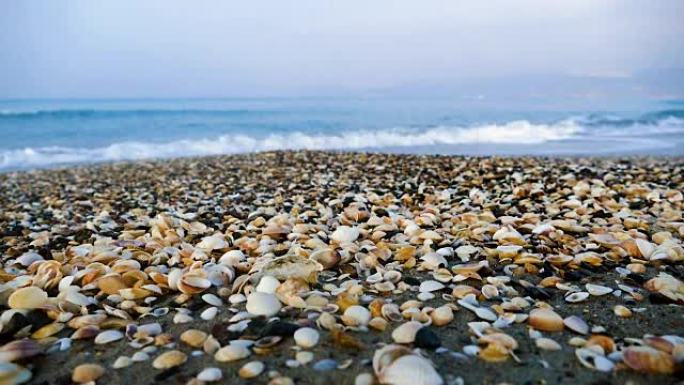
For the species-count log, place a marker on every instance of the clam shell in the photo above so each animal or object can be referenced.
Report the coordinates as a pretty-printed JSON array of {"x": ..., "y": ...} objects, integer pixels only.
[
  {"x": 122, "y": 362},
  {"x": 48, "y": 330},
  {"x": 546, "y": 320},
  {"x": 268, "y": 284},
  {"x": 263, "y": 304},
  {"x": 356, "y": 315},
  {"x": 194, "y": 337},
  {"x": 576, "y": 324},
  {"x": 578, "y": 296},
  {"x": 87, "y": 373},
  {"x": 442, "y": 315},
  {"x": 251, "y": 369},
  {"x": 231, "y": 352},
  {"x": 597, "y": 289},
  {"x": 169, "y": 359},
  {"x": 547, "y": 344},
  {"x": 410, "y": 370},
  {"x": 30, "y": 297},
  {"x": 345, "y": 234},
  {"x": 306, "y": 337},
  {"x": 648, "y": 360},
  {"x": 19, "y": 349},
  {"x": 212, "y": 299},
  {"x": 108, "y": 336},
  {"x": 210, "y": 375},
  {"x": 622, "y": 311},
  {"x": 406, "y": 333},
  {"x": 430, "y": 286}
]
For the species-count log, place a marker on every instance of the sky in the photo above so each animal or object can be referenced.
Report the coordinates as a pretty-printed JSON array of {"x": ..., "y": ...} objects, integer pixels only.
[{"x": 166, "y": 48}]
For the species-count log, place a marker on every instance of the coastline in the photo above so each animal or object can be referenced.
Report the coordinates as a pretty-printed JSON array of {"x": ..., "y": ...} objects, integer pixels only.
[{"x": 166, "y": 214}]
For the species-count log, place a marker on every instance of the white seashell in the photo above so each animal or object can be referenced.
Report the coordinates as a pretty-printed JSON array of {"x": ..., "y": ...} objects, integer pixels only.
[
  {"x": 645, "y": 247},
  {"x": 232, "y": 352},
  {"x": 209, "y": 313},
  {"x": 232, "y": 258},
  {"x": 485, "y": 314},
  {"x": 182, "y": 318},
  {"x": 345, "y": 234},
  {"x": 210, "y": 375},
  {"x": 578, "y": 296},
  {"x": 267, "y": 284},
  {"x": 364, "y": 379},
  {"x": 237, "y": 298},
  {"x": 490, "y": 291},
  {"x": 28, "y": 258},
  {"x": 306, "y": 337},
  {"x": 410, "y": 370},
  {"x": 357, "y": 315},
  {"x": 430, "y": 286},
  {"x": 140, "y": 357},
  {"x": 213, "y": 242},
  {"x": 122, "y": 362},
  {"x": 304, "y": 357},
  {"x": 576, "y": 324},
  {"x": 251, "y": 369},
  {"x": 263, "y": 304},
  {"x": 108, "y": 336},
  {"x": 593, "y": 360},
  {"x": 597, "y": 289},
  {"x": 471, "y": 350},
  {"x": 547, "y": 344},
  {"x": 151, "y": 329},
  {"x": 406, "y": 333},
  {"x": 425, "y": 296},
  {"x": 212, "y": 299}
]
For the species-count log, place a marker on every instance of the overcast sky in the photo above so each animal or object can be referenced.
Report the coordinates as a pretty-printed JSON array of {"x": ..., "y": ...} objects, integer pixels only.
[{"x": 218, "y": 48}]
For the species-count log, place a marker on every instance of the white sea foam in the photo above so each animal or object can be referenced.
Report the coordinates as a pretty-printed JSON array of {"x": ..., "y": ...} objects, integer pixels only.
[{"x": 509, "y": 133}]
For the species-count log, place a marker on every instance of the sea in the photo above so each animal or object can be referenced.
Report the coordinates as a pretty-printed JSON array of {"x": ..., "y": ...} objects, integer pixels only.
[{"x": 51, "y": 133}]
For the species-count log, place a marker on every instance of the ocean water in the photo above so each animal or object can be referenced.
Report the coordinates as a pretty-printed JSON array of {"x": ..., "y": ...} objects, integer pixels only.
[{"x": 38, "y": 134}]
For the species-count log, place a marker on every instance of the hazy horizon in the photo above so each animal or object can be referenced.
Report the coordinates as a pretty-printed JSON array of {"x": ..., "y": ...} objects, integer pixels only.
[{"x": 579, "y": 51}]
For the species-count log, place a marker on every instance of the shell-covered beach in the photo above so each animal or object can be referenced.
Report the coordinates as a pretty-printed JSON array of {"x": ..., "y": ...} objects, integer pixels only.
[{"x": 344, "y": 268}]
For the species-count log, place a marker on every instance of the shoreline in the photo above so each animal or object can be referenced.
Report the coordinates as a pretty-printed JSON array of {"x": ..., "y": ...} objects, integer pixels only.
[{"x": 180, "y": 244}]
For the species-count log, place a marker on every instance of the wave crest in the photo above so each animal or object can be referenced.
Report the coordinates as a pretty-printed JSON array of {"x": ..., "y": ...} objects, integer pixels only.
[{"x": 514, "y": 132}]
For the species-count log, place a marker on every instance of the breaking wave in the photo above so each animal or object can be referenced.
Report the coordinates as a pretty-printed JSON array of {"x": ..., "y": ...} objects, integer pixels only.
[{"x": 522, "y": 132}]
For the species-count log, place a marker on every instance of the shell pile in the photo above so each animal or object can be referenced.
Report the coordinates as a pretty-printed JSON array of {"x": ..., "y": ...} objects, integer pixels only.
[{"x": 313, "y": 267}]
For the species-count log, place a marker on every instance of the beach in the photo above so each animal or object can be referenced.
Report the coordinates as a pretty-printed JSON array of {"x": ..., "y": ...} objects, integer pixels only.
[{"x": 309, "y": 267}]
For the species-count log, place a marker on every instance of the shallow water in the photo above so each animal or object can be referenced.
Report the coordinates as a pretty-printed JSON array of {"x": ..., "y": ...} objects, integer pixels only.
[{"x": 47, "y": 133}]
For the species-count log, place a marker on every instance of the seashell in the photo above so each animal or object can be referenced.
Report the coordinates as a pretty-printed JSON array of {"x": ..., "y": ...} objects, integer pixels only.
[
  {"x": 345, "y": 234},
  {"x": 391, "y": 312},
  {"x": 211, "y": 345},
  {"x": 212, "y": 299},
  {"x": 267, "y": 284},
  {"x": 576, "y": 324},
  {"x": 622, "y": 311},
  {"x": 547, "y": 344},
  {"x": 194, "y": 337},
  {"x": 210, "y": 375},
  {"x": 378, "y": 323},
  {"x": 30, "y": 297},
  {"x": 191, "y": 284},
  {"x": 48, "y": 330},
  {"x": 87, "y": 373},
  {"x": 410, "y": 370},
  {"x": 231, "y": 352},
  {"x": 578, "y": 296},
  {"x": 364, "y": 379},
  {"x": 263, "y": 304},
  {"x": 597, "y": 289},
  {"x": 122, "y": 362},
  {"x": 406, "y": 333},
  {"x": 209, "y": 313},
  {"x": 111, "y": 284},
  {"x": 546, "y": 320},
  {"x": 593, "y": 360},
  {"x": 19, "y": 349},
  {"x": 648, "y": 360},
  {"x": 425, "y": 296},
  {"x": 304, "y": 357},
  {"x": 251, "y": 369},
  {"x": 140, "y": 357},
  {"x": 442, "y": 315},
  {"x": 430, "y": 286},
  {"x": 485, "y": 314},
  {"x": 606, "y": 343},
  {"x": 108, "y": 336},
  {"x": 327, "y": 257},
  {"x": 356, "y": 316},
  {"x": 169, "y": 359},
  {"x": 306, "y": 337},
  {"x": 237, "y": 298},
  {"x": 489, "y": 291}
]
